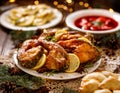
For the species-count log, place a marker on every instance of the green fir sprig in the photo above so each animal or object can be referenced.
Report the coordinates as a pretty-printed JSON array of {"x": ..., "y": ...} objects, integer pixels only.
[
  {"x": 24, "y": 80},
  {"x": 111, "y": 40},
  {"x": 19, "y": 36}
]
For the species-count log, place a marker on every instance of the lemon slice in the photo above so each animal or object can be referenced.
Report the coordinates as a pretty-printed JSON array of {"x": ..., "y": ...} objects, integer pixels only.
[
  {"x": 74, "y": 63},
  {"x": 85, "y": 39},
  {"x": 59, "y": 33},
  {"x": 40, "y": 63}
]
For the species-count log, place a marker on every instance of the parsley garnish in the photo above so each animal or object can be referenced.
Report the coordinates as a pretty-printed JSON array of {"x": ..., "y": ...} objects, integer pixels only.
[{"x": 97, "y": 23}]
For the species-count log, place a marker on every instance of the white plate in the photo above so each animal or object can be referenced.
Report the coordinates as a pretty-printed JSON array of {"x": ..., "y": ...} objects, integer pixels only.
[
  {"x": 70, "y": 19},
  {"x": 52, "y": 23},
  {"x": 57, "y": 76}
]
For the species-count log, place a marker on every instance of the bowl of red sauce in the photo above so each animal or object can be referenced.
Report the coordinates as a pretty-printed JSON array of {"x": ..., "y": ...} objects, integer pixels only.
[{"x": 96, "y": 21}]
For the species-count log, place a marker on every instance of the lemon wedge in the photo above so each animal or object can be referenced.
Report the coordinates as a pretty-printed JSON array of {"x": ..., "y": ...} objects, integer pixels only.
[
  {"x": 40, "y": 63},
  {"x": 59, "y": 33},
  {"x": 85, "y": 40},
  {"x": 74, "y": 63}
]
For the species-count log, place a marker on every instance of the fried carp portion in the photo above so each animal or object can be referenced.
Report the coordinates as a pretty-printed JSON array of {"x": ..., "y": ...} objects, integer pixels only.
[
  {"x": 70, "y": 35},
  {"x": 85, "y": 51},
  {"x": 31, "y": 51},
  {"x": 57, "y": 57},
  {"x": 61, "y": 35},
  {"x": 71, "y": 41}
]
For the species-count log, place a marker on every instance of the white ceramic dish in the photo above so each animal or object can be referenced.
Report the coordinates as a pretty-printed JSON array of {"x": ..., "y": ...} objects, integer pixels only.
[
  {"x": 57, "y": 76},
  {"x": 11, "y": 26},
  {"x": 70, "y": 19}
]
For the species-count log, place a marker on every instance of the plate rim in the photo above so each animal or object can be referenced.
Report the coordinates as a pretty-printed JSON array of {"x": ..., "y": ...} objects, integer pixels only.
[
  {"x": 43, "y": 75},
  {"x": 11, "y": 26},
  {"x": 75, "y": 15}
]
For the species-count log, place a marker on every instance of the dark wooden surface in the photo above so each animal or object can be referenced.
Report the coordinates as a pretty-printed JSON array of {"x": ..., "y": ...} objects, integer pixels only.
[{"x": 6, "y": 43}]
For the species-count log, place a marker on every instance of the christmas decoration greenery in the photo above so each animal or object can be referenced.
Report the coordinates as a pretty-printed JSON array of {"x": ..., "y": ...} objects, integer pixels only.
[
  {"x": 111, "y": 40},
  {"x": 23, "y": 80},
  {"x": 20, "y": 36}
]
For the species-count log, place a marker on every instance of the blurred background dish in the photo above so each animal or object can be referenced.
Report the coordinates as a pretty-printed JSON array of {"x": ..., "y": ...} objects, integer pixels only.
[
  {"x": 96, "y": 21},
  {"x": 11, "y": 24}
]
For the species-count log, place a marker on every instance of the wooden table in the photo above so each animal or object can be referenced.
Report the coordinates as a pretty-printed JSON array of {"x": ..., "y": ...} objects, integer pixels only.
[{"x": 6, "y": 43}]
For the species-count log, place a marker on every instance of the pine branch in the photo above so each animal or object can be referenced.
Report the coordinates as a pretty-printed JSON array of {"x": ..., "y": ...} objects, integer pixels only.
[
  {"x": 24, "y": 80},
  {"x": 111, "y": 40},
  {"x": 4, "y": 70},
  {"x": 20, "y": 36},
  {"x": 30, "y": 82},
  {"x": 118, "y": 34}
]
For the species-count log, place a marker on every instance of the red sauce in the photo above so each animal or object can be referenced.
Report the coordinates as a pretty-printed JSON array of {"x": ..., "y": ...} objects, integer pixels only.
[{"x": 95, "y": 23}]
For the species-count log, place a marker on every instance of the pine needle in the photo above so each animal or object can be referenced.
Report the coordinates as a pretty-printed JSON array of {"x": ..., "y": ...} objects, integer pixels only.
[{"x": 25, "y": 80}]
